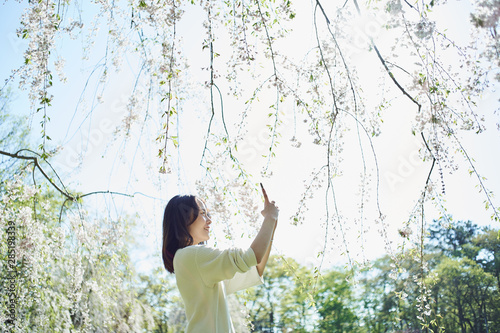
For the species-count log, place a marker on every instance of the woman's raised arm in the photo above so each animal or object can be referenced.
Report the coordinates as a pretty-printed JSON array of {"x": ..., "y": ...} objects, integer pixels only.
[{"x": 262, "y": 241}]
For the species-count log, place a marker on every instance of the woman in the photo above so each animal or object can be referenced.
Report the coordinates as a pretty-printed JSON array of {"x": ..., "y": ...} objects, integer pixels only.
[{"x": 204, "y": 274}]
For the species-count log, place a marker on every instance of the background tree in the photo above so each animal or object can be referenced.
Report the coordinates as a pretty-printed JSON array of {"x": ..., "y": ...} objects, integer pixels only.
[
  {"x": 454, "y": 239},
  {"x": 469, "y": 298},
  {"x": 63, "y": 267},
  {"x": 72, "y": 274},
  {"x": 158, "y": 290},
  {"x": 489, "y": 253},
  {"x": 335, "y": 304},
  {"x": 284, "y": 302},
  {"x": 467, "y": 293}
]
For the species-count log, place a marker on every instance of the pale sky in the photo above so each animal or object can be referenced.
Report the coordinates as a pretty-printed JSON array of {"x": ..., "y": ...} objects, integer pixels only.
[{"x": 402, "y": 173}]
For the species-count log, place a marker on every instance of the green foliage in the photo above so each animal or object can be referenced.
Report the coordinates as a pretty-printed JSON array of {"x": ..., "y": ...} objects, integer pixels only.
[
  {"x": 284, "y": 301},
  {"x": 467, "y": 296},
  {"x": 335, "y": 302},
  {"x": 461, "y": 261},
  {"x": 461, "y": 291},
  {"x": 455, "y": 239},
  {"x": 158, "y": 290}
]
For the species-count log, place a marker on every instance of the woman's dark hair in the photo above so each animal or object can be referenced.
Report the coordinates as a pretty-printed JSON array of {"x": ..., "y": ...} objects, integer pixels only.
[{"x": 180, "y": 212}]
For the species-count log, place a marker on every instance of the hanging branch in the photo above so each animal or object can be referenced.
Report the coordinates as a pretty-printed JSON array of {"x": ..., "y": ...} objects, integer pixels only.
[
  {"x": 384, "y": 63},
  {"x": 335, "y": 108},
  {"x": 36, "y": 163},
  {"x": 231, "y": 156},
  {"x": 441, "y": 71},
  {"x": 275, "y": 74},
  {"x": 61, "y": 189},
  {"x": 474, "y": 170},
  {"x": 452, "y": 133},
  {"x": 210, "y": 37},
  {"x": 433, "y": 159},
  {"x": 351, "y": 84},
  {"x": 212, "y": 103},
  {"x": 328, "y": 153},
  {"x": 169, "y": 93},
  {"x": 358, "y": 123},
  {"x": 422, "y": 226}
]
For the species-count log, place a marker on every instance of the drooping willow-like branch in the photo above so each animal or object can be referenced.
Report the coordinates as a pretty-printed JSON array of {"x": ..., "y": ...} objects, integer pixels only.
[
  {"x": 474, "y": 170},
  {"x": 213, "y": 86},
  {"x": 358, "y": 123},
  {"x": 422, "y": 225},
  {"x": 210, "y": 37},
  {"x": 275, "y": 74},
  {"x": 334, "y": 98},
  {"x": 170, "y": 78},
  {"x": 328, "y": 153},
  {"x": 384, "y": 63}
]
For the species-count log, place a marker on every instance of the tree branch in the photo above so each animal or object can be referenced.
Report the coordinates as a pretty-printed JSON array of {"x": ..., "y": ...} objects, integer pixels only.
[
  {"x": 37, "y": 165},
  {"x": 68, "y": 196},
  {"x": 275, "y": 74},
  {"x": 384, "y": 63}
]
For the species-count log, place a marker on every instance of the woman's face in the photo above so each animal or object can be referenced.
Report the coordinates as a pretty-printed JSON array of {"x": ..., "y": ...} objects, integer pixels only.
[{"x": 200, "y": 228}]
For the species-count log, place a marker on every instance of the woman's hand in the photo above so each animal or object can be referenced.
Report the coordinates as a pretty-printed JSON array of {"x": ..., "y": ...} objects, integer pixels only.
[
  {"x": 270, "y": 209},
  {"x": 262, "y": 243}
]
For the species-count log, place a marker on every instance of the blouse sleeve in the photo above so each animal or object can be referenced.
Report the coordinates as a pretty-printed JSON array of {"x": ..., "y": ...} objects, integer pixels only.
[
  {"x": 242, "y": 281},
  {"x": 215, "y": 265}
]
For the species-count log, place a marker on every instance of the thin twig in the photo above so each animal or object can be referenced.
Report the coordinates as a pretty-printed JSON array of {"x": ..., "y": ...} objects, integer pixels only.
[
  {"x": 170, "y": 78},
  {"x": 422, "y": 226},
  {"x": 210, "y": 37}
]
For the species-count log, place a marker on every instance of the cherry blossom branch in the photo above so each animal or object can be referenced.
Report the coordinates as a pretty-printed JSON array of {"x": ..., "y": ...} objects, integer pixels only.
[
  {"x": 474, "y": 170},
  {"x": 358, "y": 123},
  {"x": 328, "y": 153},
  {"x": 275, "y": 74},
  {"x": 318, "y": 4},
  {"x": 210, "y": 37},
  {"x": 422, "y": 224},
  {"x": 384, "y": 63},
  {"x": 169, "y": 93}
]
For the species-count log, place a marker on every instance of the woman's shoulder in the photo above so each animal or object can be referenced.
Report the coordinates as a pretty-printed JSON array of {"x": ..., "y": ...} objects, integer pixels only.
[
  {"x": 194, "y": 250},
  {"x": 204, "y": 251},
  {"x": 196, "y": 254},
  {"x": 185, "y": 256}
]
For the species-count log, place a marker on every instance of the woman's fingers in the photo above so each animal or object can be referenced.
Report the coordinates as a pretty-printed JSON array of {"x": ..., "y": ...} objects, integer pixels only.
[
  {"x": 264, "y": 193},
  {"x": 270, "y": 207}
]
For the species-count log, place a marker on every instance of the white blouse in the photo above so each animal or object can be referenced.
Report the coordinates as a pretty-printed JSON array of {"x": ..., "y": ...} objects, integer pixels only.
[{"x": 205, "y": 276}]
